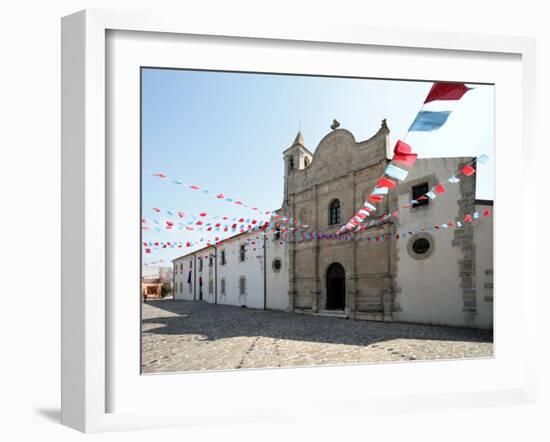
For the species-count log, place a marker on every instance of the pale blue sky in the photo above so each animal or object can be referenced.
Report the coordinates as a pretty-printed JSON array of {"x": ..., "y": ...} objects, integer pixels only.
[{"x": 227, "y": 132}]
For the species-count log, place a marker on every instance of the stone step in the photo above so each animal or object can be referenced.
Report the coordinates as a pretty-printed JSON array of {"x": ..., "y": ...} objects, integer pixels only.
[{"x": 333, "y": 313}]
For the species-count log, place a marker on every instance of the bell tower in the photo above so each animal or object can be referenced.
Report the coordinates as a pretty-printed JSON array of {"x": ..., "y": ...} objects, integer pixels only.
[{"x": 296, "y": 157}]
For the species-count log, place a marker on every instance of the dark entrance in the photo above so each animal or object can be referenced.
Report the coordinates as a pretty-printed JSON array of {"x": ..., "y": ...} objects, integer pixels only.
[{"x": 336, "y": 287}]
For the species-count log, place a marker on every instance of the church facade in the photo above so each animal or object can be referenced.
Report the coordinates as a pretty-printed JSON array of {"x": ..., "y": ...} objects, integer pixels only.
[{"x": 431, "y": 276}]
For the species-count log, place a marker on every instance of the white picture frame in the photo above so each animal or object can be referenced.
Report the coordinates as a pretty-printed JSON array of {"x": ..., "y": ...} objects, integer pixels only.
[{"x": 86, "y": 315}]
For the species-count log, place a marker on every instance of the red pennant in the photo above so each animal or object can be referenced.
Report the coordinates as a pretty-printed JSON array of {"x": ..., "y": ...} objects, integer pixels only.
[
  {"x": 468, "y": 218},
  {"x": 194, "y": 187},
  {"x": 446, "y": 91},
  {"x": 408, "y": 159},
  {"x": 147, "y": 250},
  {"x": 486, "y": 213},
  {"x": 386, "y": 182},
  {"x": 220, "y": 196},
  {"x": 374, "y": 198},
  {"x": 202, "y": 214},
  {"x": 160, "y": 175},
  {"x": 402, "y": 148},
  {"x": 199, "y": 223},
  {"x": 468, "y": 170},
  {"x": 439, "y": 188},
  {"x": 156, "y": 209},
  {"x": 187, "y": 244},
  {"x": 181, "y": 214}
]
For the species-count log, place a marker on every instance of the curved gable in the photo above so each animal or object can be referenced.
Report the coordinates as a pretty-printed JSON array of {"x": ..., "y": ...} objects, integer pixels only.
[{"x": 337, "y": 154}]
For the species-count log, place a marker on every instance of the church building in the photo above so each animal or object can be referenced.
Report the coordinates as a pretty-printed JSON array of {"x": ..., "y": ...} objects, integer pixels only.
[{"x": 404, "y": 269}]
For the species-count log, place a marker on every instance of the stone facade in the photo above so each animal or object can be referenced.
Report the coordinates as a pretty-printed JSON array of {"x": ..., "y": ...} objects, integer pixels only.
[{"x": 344, "y": 170}]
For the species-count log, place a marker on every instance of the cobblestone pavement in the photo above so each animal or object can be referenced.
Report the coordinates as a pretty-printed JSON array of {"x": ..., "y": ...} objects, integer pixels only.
[{"x": 194, "y": 335}]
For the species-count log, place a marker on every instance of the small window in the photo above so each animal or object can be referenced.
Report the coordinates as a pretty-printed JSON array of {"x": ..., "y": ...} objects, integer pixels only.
[
  {"x": 191, "y": 263},
  {"x": 277, "y": 234},
  {"x": 420, "y": 191},
  {"x": 181, "y": 267},
  {"x": 334, "y": 212},
  {"x": 421, "y": 246},
  {"x": 210, "y": 261},
  {"x": 181, "y": 287},
  {"x": 306, "y": 162},
  {"x": 200, "y": 264},
  {"x": 277, "y": 265},
  {"x": 210, "y": 286},
  {"x": 222, "y": 286},
  {"x": 242, "y": 285},
  {"x": 222, "y": 258},
  {"x": 242, "y": 253},
  {"x": 291, "y": 163}
]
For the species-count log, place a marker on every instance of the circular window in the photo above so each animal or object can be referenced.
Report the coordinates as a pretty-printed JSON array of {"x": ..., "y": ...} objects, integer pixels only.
[
  {"x": 277, "y": 265},
  {"x": 421, "y": 246}
]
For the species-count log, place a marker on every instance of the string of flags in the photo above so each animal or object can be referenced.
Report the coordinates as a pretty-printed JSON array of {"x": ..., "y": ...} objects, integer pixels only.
[
  {"x": 217, "y": 195},
  {"x": 206, "y": 222},
  {"x": 431, "y": 117},
  {"x": 436, "y": 190},
  {"x": 403, "y": 157},
  {"x": 241, "y": 225},
  {"x": 258, "y": 243}
]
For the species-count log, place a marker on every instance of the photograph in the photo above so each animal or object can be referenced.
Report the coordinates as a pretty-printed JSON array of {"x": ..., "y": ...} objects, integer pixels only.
[{"x": 306, "y": 220}]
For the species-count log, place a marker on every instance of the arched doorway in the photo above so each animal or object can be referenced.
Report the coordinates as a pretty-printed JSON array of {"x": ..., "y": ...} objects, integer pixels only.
[{"x": 336, "y": 287}]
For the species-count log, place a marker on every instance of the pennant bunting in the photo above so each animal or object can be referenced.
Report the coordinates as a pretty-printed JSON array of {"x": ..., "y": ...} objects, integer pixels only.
[
  {"x": 427, "y": 121},
  {"x": 446, "y": 91}
]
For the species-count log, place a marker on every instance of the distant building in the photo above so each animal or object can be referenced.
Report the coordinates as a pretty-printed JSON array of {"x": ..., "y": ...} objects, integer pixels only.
[
  {"x": 433, "y": 276},
  {"x": 156, "y": 282}
]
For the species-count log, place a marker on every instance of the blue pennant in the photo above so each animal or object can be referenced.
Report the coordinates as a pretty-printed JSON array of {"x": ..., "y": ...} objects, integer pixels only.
[{"x": 427, "y": 121}]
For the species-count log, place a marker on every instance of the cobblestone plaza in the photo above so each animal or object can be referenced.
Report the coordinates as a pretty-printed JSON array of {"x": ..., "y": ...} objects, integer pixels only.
[{"x": 192, "y": 336}]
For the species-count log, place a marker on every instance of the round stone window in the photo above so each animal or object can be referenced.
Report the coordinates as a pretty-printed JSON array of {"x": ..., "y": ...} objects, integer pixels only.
[
  {"x": 421, "y": 246},
  {"x": 277, "y": 265}
]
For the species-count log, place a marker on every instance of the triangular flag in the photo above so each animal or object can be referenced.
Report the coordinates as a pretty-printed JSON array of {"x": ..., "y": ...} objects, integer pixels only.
[
  {"x": 446, "y": 91},
  {"x": 468, "y": 170}
]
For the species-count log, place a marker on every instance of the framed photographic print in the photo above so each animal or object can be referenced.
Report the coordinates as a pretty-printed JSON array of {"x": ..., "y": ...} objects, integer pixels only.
[{"x": 264, "y": 222}]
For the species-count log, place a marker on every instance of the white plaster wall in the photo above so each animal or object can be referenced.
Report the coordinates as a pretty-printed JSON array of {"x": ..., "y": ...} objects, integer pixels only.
[
  {"x": 483, "y": 237},
  {"x": 182, "y": 266},
  {"x": 277, "y": 282},
  {"x": 251, "y": 268},
  {"x": 207, "y": 273},
  {"x": 430, "y": 288}
]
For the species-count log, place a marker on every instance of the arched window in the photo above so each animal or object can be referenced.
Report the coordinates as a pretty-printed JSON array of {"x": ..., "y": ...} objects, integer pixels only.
[
  {"x": 291, "y": 163},
  {"x": 306, "y": 162},
  {"x": 334, "y": 212}
]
